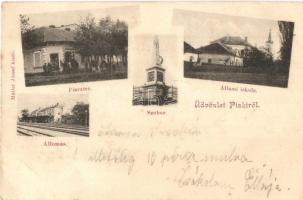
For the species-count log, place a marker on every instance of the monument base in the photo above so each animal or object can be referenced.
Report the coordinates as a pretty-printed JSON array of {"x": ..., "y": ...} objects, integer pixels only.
[{"x": 155, "y": 94}]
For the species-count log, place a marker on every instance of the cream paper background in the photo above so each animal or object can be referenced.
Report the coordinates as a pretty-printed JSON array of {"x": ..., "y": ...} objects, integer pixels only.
[{"x": 271, "y": 135}]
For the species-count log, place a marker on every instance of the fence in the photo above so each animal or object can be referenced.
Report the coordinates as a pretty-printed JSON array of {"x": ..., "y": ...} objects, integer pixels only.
[
  {"x": 206, "y": 67},
  {"x": 159, "y": 96}
]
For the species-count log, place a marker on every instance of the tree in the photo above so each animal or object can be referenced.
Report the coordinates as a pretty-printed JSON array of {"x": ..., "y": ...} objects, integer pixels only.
[
  {"x": 85, "y": 36},
  {"x": 29, "y": 35},
  {"x": 286, "y": 37},
  {"x": 25, "y": 25},
  {"x": 120, "y": 39},
  {"x": 81, "y": 113},
  {"x": 256, "y": 58},
  {"x": 24, "y": 114},
  {"x": 100, "y": 42}
]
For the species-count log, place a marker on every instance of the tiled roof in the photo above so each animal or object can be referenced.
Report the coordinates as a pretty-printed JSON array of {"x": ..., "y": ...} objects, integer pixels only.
[
  {"x": 54, "y": 106},
  {"x": 232, "y": 40},
  {"x": 188, "y": 48},
  {"x": 46, "y": 34},
  {"x": 219, "y": 46},
  {"x": 39, "y": 110},
  {"x": 216, "y": 48},
  {"x": 35, "y": 112}
]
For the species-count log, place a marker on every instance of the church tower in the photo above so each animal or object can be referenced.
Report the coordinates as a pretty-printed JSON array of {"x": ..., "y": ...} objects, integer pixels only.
[
  {"x": 155, "y": 74},
  {"x": 269, "y": 43}
]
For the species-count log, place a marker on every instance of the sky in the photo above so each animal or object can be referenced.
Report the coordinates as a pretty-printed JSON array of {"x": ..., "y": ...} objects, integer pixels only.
[
  {"x": 201, "y": 28},
  {"x": 141, "y": 57},
  {"x": 128, "y": 14},
  {"x": 32, "y": 102}
]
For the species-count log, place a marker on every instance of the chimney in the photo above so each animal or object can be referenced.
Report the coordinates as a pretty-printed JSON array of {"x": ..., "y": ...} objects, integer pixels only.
[{"x": 246, "y": 39}]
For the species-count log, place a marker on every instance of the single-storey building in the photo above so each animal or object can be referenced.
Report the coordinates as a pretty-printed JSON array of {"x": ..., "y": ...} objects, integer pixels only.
[
  {"x": 228, "y": 50},
  {"x": 218, "y": 53},
  {"x": 236, "y": 43},
  {"x": 53, "y": 45},
  {"x": 190, "y": 53}
]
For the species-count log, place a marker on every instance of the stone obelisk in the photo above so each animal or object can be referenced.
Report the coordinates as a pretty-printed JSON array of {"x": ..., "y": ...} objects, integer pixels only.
[{"x": 157, "y": 59}]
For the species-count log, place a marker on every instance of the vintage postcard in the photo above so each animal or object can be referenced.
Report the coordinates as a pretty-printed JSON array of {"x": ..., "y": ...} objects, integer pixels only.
[{"x": 151, "y": 101}]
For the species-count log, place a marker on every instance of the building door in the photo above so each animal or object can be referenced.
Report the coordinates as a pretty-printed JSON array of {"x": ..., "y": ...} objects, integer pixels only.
[
  {"x": 67, "y": 56},
  {"x": 54, "y": 61}
]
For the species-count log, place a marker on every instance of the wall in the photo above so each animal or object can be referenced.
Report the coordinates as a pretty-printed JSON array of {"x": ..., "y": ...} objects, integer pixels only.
[
  {"x": 28, "y": 59},
  {"x": 188, "y": 55},
  {"x": 45, "y": 57},
  {"x": 238, "y": 61},
  {"x": 238, "y": 47},
  {"x": 221, "y": 59},
  {"x": 61, "y": 49},
  {"x": 215, "y": 58},
  {"x": 58, "y": 114}
]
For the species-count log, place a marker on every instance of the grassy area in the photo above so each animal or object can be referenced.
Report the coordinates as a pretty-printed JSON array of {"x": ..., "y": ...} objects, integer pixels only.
[
  {"x": 62, "y": 125},
  {"x": 277, "y": 80},
  {"x": 249, "y": 75},
  {"x": 40, "y": 79}
]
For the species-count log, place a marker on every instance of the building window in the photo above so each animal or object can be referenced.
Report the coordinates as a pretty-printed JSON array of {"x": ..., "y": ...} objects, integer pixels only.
[
  {"x": 69, "y": 54},
  {"x": 209, "y": 60},
  {"x": 150, "y": 76},
  {"x": 37, "y": 59},
  {"x": 191, "y": 58},
  {"x": 160, "y": 76}
]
